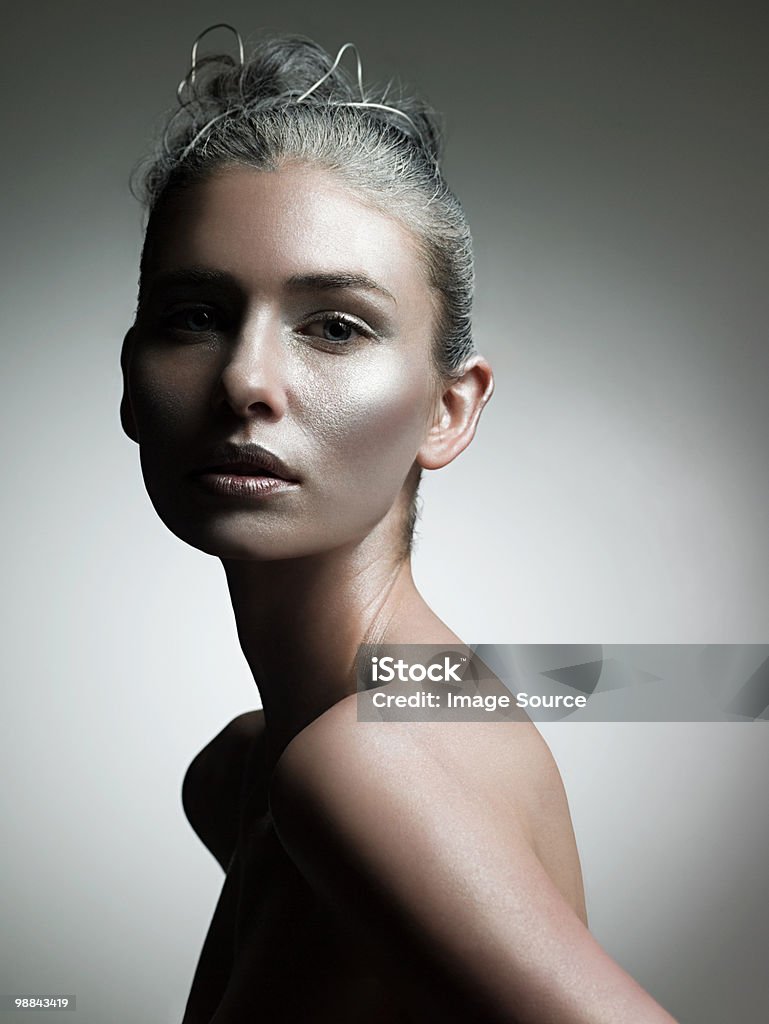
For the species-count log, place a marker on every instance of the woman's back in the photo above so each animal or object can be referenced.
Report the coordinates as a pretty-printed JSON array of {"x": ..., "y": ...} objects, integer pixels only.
[{"x": 286, "y": 949}]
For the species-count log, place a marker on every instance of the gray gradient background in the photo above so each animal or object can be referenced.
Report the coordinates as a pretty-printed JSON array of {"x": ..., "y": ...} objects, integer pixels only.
[{"x": 612, "y": 158}]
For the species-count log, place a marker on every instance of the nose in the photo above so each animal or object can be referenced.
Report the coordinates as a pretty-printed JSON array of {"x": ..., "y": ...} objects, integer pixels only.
[{"x": 252, "y": 381}]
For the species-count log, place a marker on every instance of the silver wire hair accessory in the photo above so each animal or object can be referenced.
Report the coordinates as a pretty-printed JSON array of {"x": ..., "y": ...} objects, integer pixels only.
[
  {"x": 363, "y": 101},
  {"x": 194, "y": 55},
  {"x": 189, "y": 81}
]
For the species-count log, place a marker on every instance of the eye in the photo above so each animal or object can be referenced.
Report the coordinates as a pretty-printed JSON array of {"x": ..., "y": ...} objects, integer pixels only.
[
  {"x": 338, "y": 329},
  {"x": 193, "y": 320}
]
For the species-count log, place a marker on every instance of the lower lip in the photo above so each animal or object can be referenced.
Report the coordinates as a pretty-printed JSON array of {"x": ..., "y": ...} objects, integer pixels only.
[{"x": 234, "y": 486}]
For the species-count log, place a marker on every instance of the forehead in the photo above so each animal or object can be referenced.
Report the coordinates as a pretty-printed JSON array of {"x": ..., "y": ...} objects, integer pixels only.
[{"x": 264, "y": 227}]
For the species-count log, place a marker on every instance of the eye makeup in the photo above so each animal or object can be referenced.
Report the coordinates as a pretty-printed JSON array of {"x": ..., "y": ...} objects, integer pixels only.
[{"x": 350, "y": 289}]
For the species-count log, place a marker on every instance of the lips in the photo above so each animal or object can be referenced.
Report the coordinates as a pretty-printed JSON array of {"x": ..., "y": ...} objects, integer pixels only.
[
  {"x": 242, "y": 469},
  {"x": 248, "y": 459}
]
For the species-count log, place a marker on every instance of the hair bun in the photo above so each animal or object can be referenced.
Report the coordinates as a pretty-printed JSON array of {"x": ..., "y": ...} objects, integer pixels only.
[{"x": 294, "y": 68}]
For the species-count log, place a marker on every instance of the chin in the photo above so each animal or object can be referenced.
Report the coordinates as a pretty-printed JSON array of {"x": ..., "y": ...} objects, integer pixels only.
[
  {"x": 245, "y": 536},
  {"x": 249, "y": 541}
]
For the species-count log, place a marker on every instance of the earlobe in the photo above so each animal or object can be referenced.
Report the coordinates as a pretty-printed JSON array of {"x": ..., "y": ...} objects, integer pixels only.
[
  {"x": 457, "y": 415},
  {"x": 127, "y": 420}
]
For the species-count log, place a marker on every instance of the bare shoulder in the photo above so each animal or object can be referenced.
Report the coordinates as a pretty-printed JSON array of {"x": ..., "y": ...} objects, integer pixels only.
[
  {"x": 214, "y": 782},
  {"x": 504, "y": 767},
  {"x": 448, "y": 847}
]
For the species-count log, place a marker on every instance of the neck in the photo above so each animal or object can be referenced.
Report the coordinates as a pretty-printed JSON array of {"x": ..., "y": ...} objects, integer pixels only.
[{"x": 300, "y": 622}]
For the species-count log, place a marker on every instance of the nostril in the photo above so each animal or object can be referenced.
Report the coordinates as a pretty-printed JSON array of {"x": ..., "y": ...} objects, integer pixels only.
[{"x": 247, "y": 396}]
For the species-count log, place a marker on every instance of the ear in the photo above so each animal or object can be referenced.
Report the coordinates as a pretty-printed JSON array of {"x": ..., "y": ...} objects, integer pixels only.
[
  {"x": 126, "y": 411},
  {"x": 457, "y": 414}
]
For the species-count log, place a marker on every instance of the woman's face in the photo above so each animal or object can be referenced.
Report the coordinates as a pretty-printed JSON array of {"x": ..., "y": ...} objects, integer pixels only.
[{"x": 278, "y": 310}]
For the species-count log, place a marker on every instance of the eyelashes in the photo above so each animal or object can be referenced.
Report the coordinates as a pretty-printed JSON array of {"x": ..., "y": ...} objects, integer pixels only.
[
  {"x": 183, "y": 320},
  {"x": 336, "y": 322},
  {"x": 336, "y": 330}
]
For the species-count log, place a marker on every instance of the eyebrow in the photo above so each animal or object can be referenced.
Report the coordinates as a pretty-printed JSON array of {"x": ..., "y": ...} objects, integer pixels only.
[
  {"x": 337, "y": 280},
  {"x": 168, "y": 279},
  {"x": 331, "y": 281}
]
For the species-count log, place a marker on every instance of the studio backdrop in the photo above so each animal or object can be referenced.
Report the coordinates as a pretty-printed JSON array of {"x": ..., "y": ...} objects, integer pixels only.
[{"x": 612, "y": 160}]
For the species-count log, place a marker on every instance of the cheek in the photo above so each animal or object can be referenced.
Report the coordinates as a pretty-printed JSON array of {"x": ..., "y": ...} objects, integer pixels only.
[
  {"x": 165, "y": 395},
  {"x": 369, "y": 424}
]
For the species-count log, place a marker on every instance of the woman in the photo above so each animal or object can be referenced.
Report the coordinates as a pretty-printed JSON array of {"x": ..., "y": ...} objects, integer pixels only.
[{"x": 302, "y": 350}]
